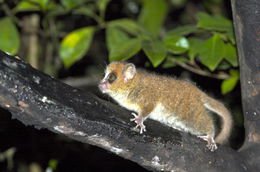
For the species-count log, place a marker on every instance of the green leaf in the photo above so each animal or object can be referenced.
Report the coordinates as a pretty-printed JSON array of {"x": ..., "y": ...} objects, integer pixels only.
[
  {"x": 176, "y": 44},
  {"x": 75, "y": 45},
  {"x": 230, "y": 83},
  {"x": 53, "y": 163},
  {"x": 102, "y": 4},
  {"x": 58, "y": 11},
  {"x": 217, "y": 23},
  {"x": 168, "y": 64},
  {"x": 196, "y": 46},
  {"x": 155, "y": 51},
  {"x": 182, "y": 30},
  {"x": 26, "y": 6},
  {"x": 211, "y": 53},
  {"x": 230, "y": 54},
  {"x": 9, "y": 36},
  {"x": 152, "y": 15},
  {"x": 35, "y": 5},
  {"x": 86, "y": 10},
  {"x": 128, "y": 25},
  {"x": 43, "y": 3},
  {"x": 120, "y": 46},
  {"x": 125, "y": 50},
  {"x": 70, "y": 4},
  {"x": 231, "y": 36},
  {"x": 228, "y": 36},
  {"x": 115, "y": 36}
]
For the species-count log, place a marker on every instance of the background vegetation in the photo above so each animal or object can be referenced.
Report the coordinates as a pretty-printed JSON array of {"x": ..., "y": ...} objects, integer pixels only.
[{"x": 73, "y": 37}]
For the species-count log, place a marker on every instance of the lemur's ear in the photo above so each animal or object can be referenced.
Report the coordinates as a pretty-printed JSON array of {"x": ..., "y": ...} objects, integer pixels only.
[{"x": 129, "y": 71}]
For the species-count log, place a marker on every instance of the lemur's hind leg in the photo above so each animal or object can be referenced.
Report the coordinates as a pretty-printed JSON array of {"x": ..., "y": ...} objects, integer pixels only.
[{"x": 211, "y": 142}]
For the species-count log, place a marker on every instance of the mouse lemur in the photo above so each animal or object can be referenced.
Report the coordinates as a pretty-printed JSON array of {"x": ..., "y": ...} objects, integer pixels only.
[{"x": 178, "y": 104}]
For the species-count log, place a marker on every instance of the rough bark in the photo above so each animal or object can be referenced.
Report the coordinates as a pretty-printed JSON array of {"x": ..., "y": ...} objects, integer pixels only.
[
  {"x": 44, "y": 102},
  {"x": 246, "y": 16}
]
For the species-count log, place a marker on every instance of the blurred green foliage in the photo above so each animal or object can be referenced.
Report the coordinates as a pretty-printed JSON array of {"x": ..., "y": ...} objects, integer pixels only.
[
  {"x": 52, "y": 165},
  {"x": 75, "y": 45},
  {"x": 9, "y": 35},
  {"x": 207, "y": 47}
]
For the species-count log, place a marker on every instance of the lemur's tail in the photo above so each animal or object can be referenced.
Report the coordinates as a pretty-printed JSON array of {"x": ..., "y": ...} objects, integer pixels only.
[{"x": 221, "y": 110}]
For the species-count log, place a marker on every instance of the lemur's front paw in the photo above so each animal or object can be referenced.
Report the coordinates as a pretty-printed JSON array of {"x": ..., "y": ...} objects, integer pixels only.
[{"x": 139, "y": 120}]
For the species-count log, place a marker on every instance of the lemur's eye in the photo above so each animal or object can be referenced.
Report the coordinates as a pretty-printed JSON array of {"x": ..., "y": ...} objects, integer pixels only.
[{"x": 111, "y": 78}]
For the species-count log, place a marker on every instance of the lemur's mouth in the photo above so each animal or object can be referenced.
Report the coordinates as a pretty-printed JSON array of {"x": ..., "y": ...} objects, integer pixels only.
[{"x": 103, "y": 86}]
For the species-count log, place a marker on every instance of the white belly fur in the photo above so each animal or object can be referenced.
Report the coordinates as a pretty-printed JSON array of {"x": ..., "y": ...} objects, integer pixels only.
[
  {"x": 122, "y": 100},
  {"x": 160, "y": 114}
]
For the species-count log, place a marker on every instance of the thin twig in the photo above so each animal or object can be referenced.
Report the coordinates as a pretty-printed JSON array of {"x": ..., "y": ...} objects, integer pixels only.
[{"x": 200, "y": 71}]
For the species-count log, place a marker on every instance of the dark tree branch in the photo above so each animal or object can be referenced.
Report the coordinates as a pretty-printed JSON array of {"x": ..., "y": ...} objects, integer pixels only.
[
  {"x": 44, "y": 102},
  {"x": 246, "y": 16}
]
